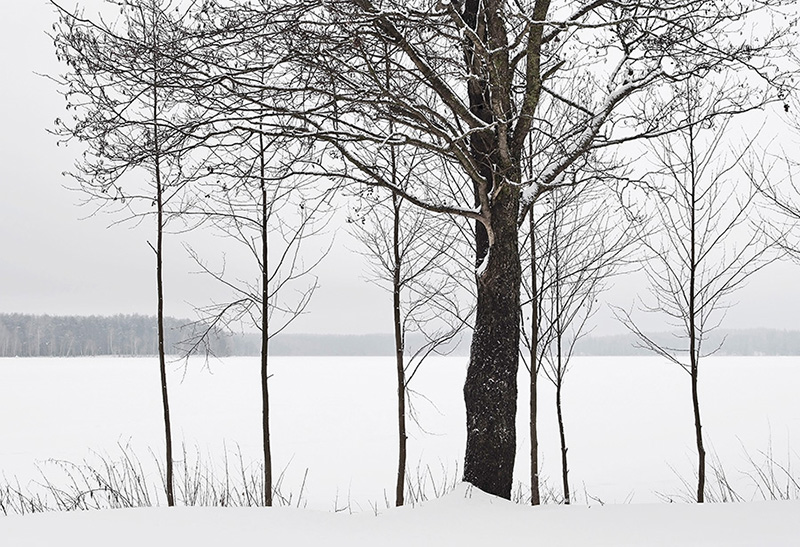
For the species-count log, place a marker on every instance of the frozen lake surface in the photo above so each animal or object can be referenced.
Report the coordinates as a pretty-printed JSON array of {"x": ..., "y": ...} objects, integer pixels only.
[{"x": 628, "y": 419}]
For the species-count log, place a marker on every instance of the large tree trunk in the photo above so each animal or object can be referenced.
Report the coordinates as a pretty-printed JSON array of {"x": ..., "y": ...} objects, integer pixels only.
[{"x": 490, "y": 390}]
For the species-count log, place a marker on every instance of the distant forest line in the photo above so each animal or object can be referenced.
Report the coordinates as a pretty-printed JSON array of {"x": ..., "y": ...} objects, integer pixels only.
[{"x": 23, "y": 335}]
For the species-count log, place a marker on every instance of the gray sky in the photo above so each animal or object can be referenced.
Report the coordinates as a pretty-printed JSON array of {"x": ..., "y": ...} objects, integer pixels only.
[{"x": 55, "y": 260}]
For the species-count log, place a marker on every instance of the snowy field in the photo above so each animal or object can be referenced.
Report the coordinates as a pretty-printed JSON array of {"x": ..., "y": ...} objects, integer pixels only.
[
  {"x": 628, "y": 421},
  {"x": 628, "y": 425}
]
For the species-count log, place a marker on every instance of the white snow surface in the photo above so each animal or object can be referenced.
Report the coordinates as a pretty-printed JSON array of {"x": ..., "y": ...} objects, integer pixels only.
[
  {"x": 465, "y": 517},
  {"x": 629, "y": 423},
  {"x": 629, "y": 432}
]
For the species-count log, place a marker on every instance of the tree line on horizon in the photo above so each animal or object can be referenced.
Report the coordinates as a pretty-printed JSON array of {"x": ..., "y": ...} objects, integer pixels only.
[
  {"x": 30, "y": 335},
  {"x": 25, "y": 335}
]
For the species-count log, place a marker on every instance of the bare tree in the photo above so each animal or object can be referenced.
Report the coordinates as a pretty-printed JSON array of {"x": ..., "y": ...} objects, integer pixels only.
[
  {"x": 407, "y": 249},
  {"x": 255, "y": 202},
  {"x": 533, "y": 346},
  {"x": 124, "y": 85},
  {"x": 470, "y": 83},
  {"x": 582, "y": 238},
  {"x": 704, "y": 249},
  {"x": 250, "y": 190}
]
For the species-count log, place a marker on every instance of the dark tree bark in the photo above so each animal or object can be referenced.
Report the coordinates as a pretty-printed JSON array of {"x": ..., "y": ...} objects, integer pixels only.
[
  {"x": 265, "y": 273},
  {"x": 694, "y": 357},
  {"x": 159, "y": 187},
  {"x": 698, "y": 432},
  {"x": 563, "y": 441},
  {"x": 534, "y": 367},
  {"x": 399, "y": 344},
  {"x": 162, "y": 364},
  {"x": 490, "y": 390},
  {"x": 560, "y": 368}
]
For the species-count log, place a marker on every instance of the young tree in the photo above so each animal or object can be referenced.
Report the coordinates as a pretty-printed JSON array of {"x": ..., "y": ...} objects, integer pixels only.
[
  {"x": 704, "y": 249},
  {"x": 124, "y": 82},
  {"x": 407, "y": 250},
  {"x": 532, "y": 345},
  {"x": 580, "y": 240},
  {"x": 255, "y": 201}
]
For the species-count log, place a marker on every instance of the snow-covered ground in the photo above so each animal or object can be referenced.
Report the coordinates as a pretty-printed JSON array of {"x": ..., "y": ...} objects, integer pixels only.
[
  {"x": 628, "y": 425},
  {"x": 628, "y": 422},
  {"x": 463, "y": 518}
]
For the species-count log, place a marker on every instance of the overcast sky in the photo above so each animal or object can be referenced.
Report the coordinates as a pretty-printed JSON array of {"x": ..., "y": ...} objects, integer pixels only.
[{"x": 57, "y": 259}]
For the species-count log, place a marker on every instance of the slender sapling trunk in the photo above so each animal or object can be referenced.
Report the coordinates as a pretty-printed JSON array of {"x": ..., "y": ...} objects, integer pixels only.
[
  {"x": 534, "y": 364},
  {"x": 399, "y": 356},
  {"x": 265, "y": 331}
]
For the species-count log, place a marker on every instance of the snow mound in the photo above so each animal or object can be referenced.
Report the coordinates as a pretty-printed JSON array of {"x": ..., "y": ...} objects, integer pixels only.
[{"x": 465, "y": 517}]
